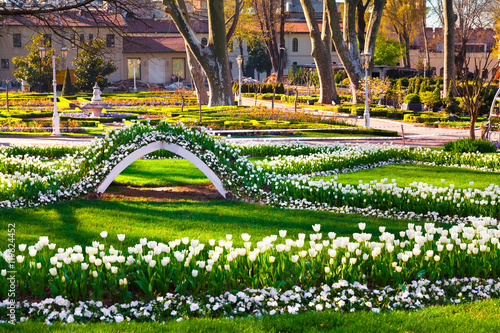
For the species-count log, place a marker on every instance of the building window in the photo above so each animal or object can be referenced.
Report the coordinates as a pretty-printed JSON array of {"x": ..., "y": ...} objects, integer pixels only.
[
  {"x": 204, "y": 41},
  {"x": 5, "y": 63},
  {"x": 131, "y": 62},
  {"x": 16, "y": 40},
  {"x": 73, "y": 40},
  {"x": 110, "y": 40},
  {"x": 91, "y": 37},
  {"x": 47, "y": 39},
  {"x": 295, "y": 45},
  {"x": 82, "y": 39},
  {"x": 179, "y": 69}
]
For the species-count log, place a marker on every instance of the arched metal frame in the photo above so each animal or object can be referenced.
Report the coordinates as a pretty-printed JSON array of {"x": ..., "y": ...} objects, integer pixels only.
[{"x": 176, "y": 149}]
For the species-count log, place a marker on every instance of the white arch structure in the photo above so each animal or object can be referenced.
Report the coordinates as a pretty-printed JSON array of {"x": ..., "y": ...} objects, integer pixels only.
[{"x": 176, "y": 149}]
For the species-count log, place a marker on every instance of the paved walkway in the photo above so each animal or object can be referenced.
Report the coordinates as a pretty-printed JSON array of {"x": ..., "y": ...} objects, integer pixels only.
[{"x": 415, "y": 134}]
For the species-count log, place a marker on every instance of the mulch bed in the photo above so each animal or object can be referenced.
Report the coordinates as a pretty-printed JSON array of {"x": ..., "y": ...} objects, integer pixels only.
[{"x": 174, "y": 193}]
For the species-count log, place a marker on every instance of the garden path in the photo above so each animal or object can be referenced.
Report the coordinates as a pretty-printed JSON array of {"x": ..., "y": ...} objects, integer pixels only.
[{"x": 416, "y": 135}]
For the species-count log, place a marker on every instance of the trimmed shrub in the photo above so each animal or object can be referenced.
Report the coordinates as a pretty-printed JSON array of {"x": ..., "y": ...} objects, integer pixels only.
[
  {"x": 412, "y": 99},
  {"x": 467, "y": 145}
]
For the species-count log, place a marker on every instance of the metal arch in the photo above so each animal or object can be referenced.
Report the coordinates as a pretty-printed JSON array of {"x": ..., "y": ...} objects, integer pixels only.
[{"x": 176, "y": 149}]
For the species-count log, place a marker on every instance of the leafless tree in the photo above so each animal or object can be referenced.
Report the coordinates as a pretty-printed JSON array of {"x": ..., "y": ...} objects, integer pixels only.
[
  {"x": 271, "y": 19},
  {"x": 346, "y": 39},
  {"x": 474, "y": 88}
]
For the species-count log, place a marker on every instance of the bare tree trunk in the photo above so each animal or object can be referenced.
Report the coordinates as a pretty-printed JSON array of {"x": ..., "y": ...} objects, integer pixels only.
[
  {"x": 194, "y": 68},
  {"x": 321, "y": 45},
  {"x": 449, "y": 45},
  {"x": 213, "y": 58},
  {"x": 282, "y": 42},
  {"x": 346, "y": 42},
  {"x": 426, "y": 41},
  {"x": 198, "y": 78}
]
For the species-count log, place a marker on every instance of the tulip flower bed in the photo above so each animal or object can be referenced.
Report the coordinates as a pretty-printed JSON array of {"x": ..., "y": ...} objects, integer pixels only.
[
  {"x": 277, "y": 274},
  {"x": 29, "y": 182}
]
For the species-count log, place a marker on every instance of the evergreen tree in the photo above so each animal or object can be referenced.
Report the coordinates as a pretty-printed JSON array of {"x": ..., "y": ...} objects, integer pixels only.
[
  {"x": 35, "y": 71},
  {"x": 67, "y": 88},
  {"x": 91, "y": 66}
]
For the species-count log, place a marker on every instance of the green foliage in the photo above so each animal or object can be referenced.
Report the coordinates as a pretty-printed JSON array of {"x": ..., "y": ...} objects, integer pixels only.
[
  {"x": 387, "y": 51},
  {"x": 470, "y": 146},
  {"x": 339, "y": 76},
  {"x": 91, "y": 66},
  {"x": 67, "y": 88},
  {"x": 430, "y": 99},
  {"x": 412, "y": 98},
  {"x": 35, "y": 71},
  {"x": 303, "y": 75},
  {"x": 258, "y": 58}
]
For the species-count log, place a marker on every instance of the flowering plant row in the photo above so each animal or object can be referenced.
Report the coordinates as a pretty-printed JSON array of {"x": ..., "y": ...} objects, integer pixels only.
[
  {"x": 339, "y": 296},
  {"x": 189, "y": 266},
  {"x": 27, "y": 181}
]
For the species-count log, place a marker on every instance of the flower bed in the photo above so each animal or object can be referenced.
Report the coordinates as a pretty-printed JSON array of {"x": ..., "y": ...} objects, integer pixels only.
[
  {"x": 340, "y": 296},
  {"x": 283, "y": 185},
  {"x": 278, "y": 273}
]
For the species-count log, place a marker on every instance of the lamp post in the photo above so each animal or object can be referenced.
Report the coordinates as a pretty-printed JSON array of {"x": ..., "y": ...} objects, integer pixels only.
[
  {"x": 56, "y": 131},
  {"x": 425, "y": 65},
  {"x": 365, "y": 60},
  {"x": 279, "y": 60},
  {"x": 239, "y": 60},
  {"x": 136, "y": 64}
]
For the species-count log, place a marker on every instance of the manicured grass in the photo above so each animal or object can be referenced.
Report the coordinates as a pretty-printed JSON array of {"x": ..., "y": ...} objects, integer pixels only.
[
  {"x": 161, "y": 173},
  {"x": 473, "y": 317},
  {"x": 170, "y": 172},
  {"x": 408, "y": 173},
  {"x": 81, "y": 221}
]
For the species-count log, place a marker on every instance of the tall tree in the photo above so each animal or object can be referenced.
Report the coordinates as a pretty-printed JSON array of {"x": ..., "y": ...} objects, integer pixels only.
[
  {"x": 271, "y": 18},
  {"x": 321, "y": 45},
  {"x": 471, "y": 17},
  {"x": 404, "y": 18},
  {"x": 449, "y": 19},
  {"x": 346, "y": 39},
  {"x": 213, "y": 57},
  {"x": 35, "y": 71},
  {"x": 194, "y": 68},
  {"x": 91, "y": 66}
]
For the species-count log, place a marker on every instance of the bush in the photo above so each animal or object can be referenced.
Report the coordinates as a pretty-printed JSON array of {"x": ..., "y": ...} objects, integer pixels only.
[
  {"x": 412, "y": 99},
  {"x": 470, "y": 146},
  {"x": 430, "y": 99}
]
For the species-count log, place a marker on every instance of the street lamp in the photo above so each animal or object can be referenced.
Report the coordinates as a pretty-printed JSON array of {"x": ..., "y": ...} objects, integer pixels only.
[
  {"x": 425, "y": 65},
  {"x": 365, "y": 60},
  {"x": 55, "y": 117},
  {"x": 279, "y": 59},
  {"x": 136, "y": 64},
  {"x": 239, "y": 60}
]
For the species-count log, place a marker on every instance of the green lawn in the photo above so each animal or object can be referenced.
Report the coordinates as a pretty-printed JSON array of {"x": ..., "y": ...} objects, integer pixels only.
[
  {"x": 81, "y": 221},
  {"x": 407, "y": 173},
  {"x": 165, "y": 172},
  {"x": 473, "y": 317},
  {"x": 170, "y": 172}
]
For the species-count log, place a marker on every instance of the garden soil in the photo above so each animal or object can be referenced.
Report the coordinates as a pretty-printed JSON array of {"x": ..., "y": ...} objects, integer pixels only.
[{"x": 174, "y": 193}]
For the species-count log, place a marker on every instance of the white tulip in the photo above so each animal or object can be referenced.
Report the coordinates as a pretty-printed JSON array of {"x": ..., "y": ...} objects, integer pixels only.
[{"x": 104, "y": 234}]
